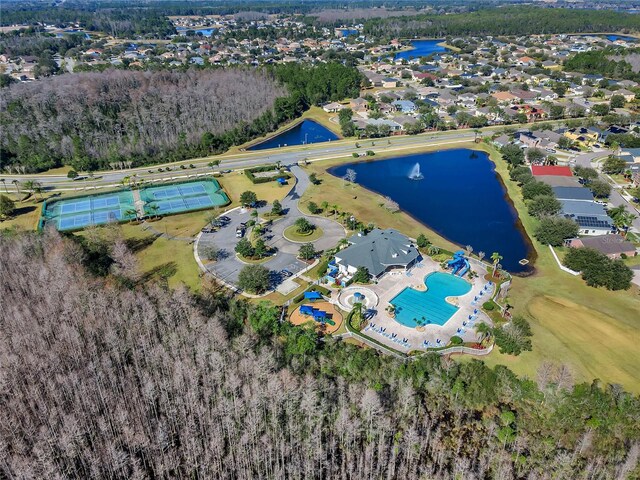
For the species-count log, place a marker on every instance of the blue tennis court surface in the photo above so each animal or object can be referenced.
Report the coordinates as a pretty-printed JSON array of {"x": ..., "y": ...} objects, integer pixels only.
[
  {"x": 76, "y": 213},
  {"x": 183, "y": 197},
  {"x": 81, "y": 212}
]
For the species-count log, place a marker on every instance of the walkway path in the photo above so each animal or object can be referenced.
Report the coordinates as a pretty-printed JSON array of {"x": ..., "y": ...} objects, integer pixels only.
[{"x": 228, "y": 267}]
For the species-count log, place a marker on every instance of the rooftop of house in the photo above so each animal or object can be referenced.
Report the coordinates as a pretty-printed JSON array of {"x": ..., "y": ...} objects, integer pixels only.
[
  {"x": 378, "y": 250},
  {"x": 607, "y": 244},
  {"x": 551, "y": 170},
  {"x": 573, "y": 193}
]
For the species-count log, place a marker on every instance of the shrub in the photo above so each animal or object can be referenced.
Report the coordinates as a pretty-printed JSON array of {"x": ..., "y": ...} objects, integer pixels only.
[
  {"x": 361, "y": 276},
  {"x": 455, "y": 340},
  {"x": 254, "y": 279},
  {"x": 422, "y": 241},
  {"x": 370, "y": 153},
  {"x": 554, "y": 230},
  {"x": 313, "y": 207},
  {"x": 514, "y": 337},
  {"x": 248, "y": 198},
  {"x": 355, "y": 155},
  {"x": 307, "y": 251},
  {"x": 304, "y": 226},
  {"x": 489, "y": 306},
  {"x": 534, "y": 188},
  {"x": 276, "y": 208},
  {"x": 598, "y": 270},
  {"x": 543, "y": 205}
]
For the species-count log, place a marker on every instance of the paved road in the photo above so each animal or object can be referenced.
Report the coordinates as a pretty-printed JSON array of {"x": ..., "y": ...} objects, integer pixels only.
[
  {"x": 228, "y": 268},
  {"x": 286, "y": 156}
]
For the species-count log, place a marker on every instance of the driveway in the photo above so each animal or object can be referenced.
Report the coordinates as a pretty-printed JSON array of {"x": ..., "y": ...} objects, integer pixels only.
[{"x": 228, "y": 267}]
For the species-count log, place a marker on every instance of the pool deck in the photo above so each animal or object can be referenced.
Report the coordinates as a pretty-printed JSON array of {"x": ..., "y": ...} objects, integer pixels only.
[{"x": 393, "y": 282}]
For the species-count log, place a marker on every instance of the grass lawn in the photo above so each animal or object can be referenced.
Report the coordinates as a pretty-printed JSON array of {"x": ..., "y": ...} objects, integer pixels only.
[
  {"x": 364, "y": 204},
  {"x": 237, "y": 182},
  {"x": 280, "y": 299},
  {"x": 591, "y": 330},
  {"x": 291, "y": 233},
  {"x": 25, "y": 215}
]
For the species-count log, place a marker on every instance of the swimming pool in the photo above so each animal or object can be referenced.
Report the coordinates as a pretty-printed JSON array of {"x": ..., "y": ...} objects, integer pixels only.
[
  {"x": 183, "y": 197},
  {"x": 415, "y": 308}
]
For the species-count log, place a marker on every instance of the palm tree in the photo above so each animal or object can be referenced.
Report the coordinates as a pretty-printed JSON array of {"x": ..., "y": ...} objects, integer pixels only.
[
  {"x": 334, "y": 207},
  {"x": 4, "y": 182},
  {"x": 481, "y": 255},
  {"x": 469, "y": 249},
  {"x": 154, "y": 208},
  {"x": 38, "y": 189},
  {"x": 483, "y": 330},
  {"x": 16, "y": 183},
  {"x": 324, "y": 205},
  {"x": 28, "y": 185},
  {"x": 623, "y": 221},
  {"x": 477, "y": 132},
  {"x": 495, "y": 258},
  {"x": 131, "y": 212}
]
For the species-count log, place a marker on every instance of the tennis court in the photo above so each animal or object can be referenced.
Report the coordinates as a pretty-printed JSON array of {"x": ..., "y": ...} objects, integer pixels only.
[
  {"x": 80, "y": 212},
  {"x": 183, "y": 197}
]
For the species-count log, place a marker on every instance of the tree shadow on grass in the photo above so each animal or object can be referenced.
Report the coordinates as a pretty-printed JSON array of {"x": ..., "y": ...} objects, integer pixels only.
[
  {"x": 23, "y": 210},
  {"x": 161, "y": 272},
  {"x": 138, "y": 244}
]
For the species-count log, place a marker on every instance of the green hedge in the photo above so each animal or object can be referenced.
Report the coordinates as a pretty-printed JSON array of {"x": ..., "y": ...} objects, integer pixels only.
[{"x": 249, "y": 172}]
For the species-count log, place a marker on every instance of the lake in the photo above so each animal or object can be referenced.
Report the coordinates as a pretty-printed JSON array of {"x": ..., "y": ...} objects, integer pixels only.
[
  {"x": 460, "y": 198},
  {"x": 421, "y": 48},
  {"x": 205, "y": 32},
  {"x": 305, "y": 132}
]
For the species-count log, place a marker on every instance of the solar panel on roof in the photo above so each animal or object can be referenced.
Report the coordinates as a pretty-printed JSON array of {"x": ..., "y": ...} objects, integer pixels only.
[{"x": 592, "y": 222}]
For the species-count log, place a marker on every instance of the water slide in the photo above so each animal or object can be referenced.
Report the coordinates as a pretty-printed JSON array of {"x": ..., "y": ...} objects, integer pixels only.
[{"x": 459, "y": 264}]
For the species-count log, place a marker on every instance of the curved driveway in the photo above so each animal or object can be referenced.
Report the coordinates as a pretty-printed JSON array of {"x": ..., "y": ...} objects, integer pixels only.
[{"x": 228, "y": 267}]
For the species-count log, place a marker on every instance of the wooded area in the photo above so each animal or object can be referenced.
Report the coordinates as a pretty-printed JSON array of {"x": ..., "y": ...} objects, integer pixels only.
[
  {"x": 609, "y": 62},
  {"x": 92, "y": 120},
  {"x": 89, "y": 120},
  {"x": 515, "y": 20},
  {"x": 103, "y": 381}
]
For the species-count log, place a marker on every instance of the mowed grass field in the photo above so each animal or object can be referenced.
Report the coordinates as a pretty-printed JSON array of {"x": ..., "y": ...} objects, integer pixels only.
[
  {"x": 594, "y": 332},
  {"x": 166, "y": 259}
]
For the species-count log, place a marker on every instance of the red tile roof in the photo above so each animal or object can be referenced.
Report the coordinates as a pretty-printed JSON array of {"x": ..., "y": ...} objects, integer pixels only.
[{"x": 551, "y": 170}]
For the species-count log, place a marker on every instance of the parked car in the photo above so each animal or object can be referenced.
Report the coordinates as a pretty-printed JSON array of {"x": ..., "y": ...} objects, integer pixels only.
[
  {"x": 239, "y": 232},
  {"x": 286, "y": 273}
]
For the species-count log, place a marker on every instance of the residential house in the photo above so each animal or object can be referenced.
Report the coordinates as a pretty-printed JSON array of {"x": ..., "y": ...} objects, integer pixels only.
[
  {"x": 578, "y": 194},
  {"x": 591, "y": 217},
  {"x": 333, "y": 107},
  {"x": 613, "y": 246}
]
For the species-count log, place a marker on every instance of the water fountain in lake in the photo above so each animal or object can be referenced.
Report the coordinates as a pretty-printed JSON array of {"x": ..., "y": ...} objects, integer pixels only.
[{"x": 415, "y": 173}]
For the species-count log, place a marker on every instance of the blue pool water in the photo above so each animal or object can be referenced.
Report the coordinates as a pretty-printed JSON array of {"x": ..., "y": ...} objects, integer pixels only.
[
  {"x": 305, "y": 132},
  {"x": 460, "y": 197},
  {"x": 429, "y": 307},
  {"x": 421, "y": 48}
]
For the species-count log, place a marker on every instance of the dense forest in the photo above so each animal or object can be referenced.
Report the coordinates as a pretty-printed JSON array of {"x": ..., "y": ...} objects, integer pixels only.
[
  {"x": 619, "y": 64},
  {"x": 520, "y": 20},
  {"x": 88, "y": 119},
  {"x": 108, "y": 377},
  {"x": 91, "y": 120}
]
